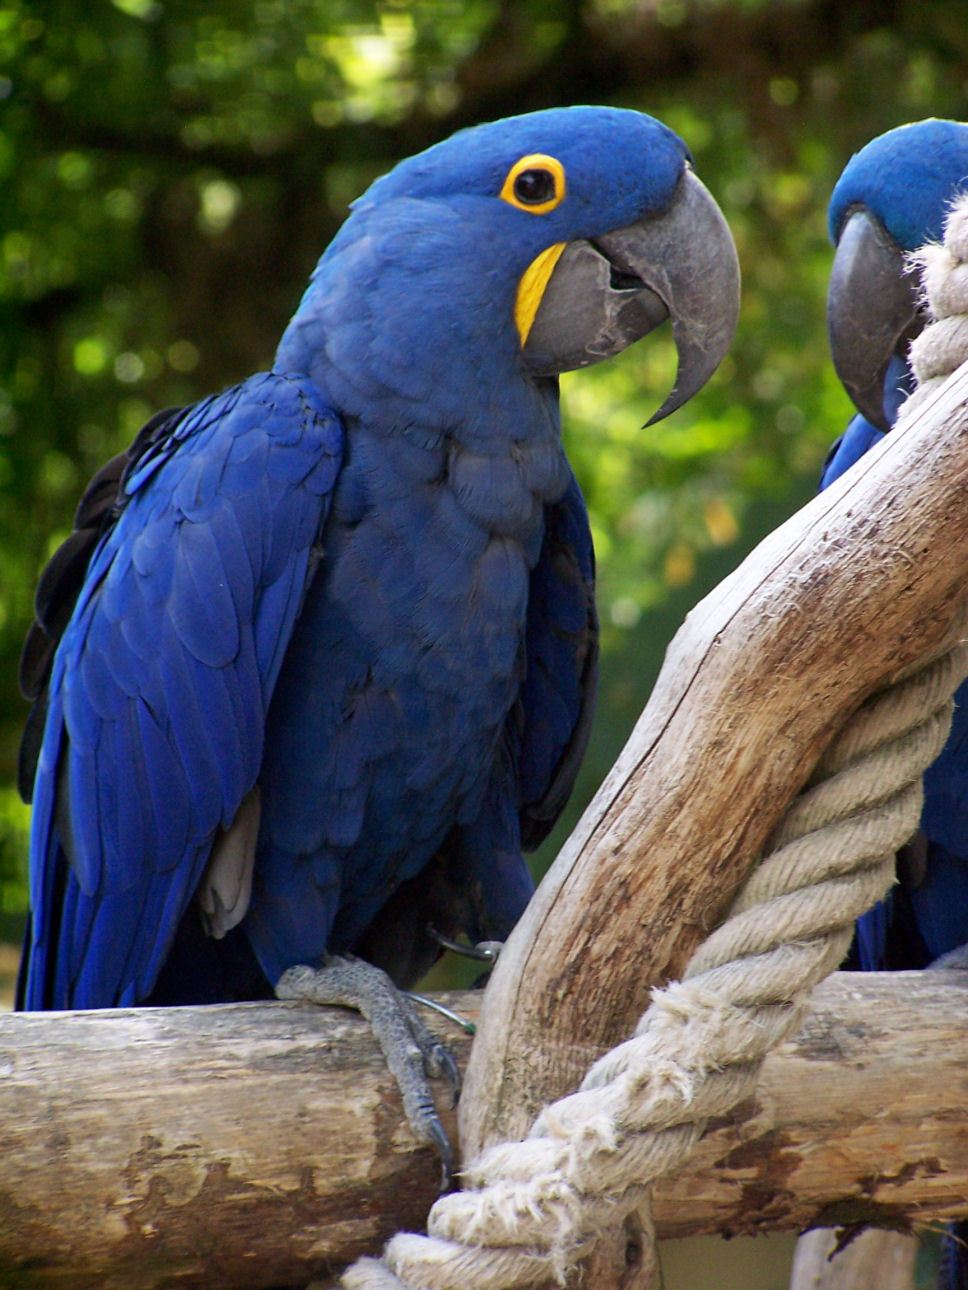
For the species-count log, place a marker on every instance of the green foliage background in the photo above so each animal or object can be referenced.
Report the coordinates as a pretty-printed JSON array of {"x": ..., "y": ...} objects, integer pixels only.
[{"x": 171, "y": 171}]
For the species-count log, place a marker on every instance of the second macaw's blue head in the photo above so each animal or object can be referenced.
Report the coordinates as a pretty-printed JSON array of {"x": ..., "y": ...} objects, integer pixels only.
[
  {"x": 512, "y": 252},
  {"x": 892, "y": 197}
]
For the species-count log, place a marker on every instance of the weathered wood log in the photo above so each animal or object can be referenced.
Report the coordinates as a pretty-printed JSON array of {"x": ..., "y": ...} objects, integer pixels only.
[
  {"x": 264, "y": 1144},
  {"x": 847, "y": 1124},
  {"x": 864, "y": 581},
  {"x": 230, "y": 1146}
]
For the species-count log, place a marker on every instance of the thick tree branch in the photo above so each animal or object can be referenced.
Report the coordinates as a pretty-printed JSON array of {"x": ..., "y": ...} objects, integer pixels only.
[
  {"x": 258, "y": 1144},
  {"x": 864, "y": 581}
]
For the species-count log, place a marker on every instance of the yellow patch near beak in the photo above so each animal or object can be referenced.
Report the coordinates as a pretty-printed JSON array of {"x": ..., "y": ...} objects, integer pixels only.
[{"x": 532, "y": 287}]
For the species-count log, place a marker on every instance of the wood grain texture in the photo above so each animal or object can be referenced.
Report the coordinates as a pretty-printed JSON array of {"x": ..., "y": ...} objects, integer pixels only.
[
  {"x": 830, "y": 607},
  {"x": 229, "y": 1146},
  {"x": 863, "y": 1118},
  {"x": 260, "y": 1145}
]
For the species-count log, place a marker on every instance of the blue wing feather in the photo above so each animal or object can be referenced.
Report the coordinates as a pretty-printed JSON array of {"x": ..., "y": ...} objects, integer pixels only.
[
  {"x": 559, "y": 689},
  {"x": 945, "y": 815},
  {"x": 178, "y": 633},
  {"x": 859, "y": 436}
]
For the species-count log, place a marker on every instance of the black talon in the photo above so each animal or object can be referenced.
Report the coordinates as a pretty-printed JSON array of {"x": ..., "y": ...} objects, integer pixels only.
[
  {"x": 448, "y": 1162},
  {"x": 468, "y": 1027},
  {"x": 448, "y": 1068},
  {"x": 412, "y": 1053},
  {"x": 439, "y": 1061},
  {"x": 482, "y": 952}
]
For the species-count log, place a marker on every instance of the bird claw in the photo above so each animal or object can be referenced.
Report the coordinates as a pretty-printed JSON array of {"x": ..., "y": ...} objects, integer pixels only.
[
  {"x": 448, "y": 1163},
  {"x": 412, "y": 1053},
  {"x": 482, "y": 952},
  {"x": 440, "y": 1064}
]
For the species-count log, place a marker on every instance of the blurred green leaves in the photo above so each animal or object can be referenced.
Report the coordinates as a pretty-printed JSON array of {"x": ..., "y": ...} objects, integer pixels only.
[{"x": 171, "y": 171}]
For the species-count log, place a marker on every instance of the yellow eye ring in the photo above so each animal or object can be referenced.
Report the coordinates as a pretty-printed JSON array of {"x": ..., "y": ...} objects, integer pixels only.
[{"x": 535, "y": 183}]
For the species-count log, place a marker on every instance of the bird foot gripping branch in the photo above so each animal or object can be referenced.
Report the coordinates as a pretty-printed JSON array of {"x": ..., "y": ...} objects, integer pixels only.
[{"x": 411, "y": 1051}]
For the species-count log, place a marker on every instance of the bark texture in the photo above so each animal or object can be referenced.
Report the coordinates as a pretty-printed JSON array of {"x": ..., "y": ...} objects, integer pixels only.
[{"x": 262, "y": 1145}]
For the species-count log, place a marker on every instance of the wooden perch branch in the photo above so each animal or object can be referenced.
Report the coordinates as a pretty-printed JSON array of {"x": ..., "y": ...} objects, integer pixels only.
[
  {"x": 229, "y": 1146},
  {"x": 258, "y": 1144},
  {"x": 864, "y": 581}
]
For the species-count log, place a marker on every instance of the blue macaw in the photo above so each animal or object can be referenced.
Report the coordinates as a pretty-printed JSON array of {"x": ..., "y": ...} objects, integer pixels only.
[
  {"x": 892, "y": 198},
  {"x": 318, "y": 661}
]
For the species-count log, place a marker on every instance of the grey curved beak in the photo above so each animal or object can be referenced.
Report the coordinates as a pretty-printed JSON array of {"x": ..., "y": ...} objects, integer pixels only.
[
  {"x": 607, "y": 293},
  {"x": 872, "y": 311}
]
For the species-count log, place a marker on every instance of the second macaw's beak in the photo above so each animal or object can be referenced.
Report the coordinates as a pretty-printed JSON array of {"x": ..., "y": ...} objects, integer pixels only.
[
  {"x": 872, "y": 312},
  {"x": 606, "y": 293}
]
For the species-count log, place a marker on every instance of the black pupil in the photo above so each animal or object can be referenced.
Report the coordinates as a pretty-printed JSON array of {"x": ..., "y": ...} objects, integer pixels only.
[{"x": 532, "y": 187}]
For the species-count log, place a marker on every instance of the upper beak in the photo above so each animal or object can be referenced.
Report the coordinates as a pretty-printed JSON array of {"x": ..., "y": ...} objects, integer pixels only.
[
  {"x": 605, "y": 294},
  {"x": 872, "y": 312}
]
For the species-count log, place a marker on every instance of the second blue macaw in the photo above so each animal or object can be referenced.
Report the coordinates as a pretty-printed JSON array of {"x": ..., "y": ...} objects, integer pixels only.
[
  {"x": 318, "y": 662},
  {"x": 892, "y": 198}
]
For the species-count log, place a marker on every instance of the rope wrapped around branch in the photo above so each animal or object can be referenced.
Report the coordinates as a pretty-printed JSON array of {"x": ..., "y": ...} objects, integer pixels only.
[{"x": 532, "y": 1210}]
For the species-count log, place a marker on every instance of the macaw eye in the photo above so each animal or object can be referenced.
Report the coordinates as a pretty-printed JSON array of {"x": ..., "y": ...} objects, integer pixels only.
[
  {"x": 536, "y": 183},
  {"x": 534, "y": 187}
]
